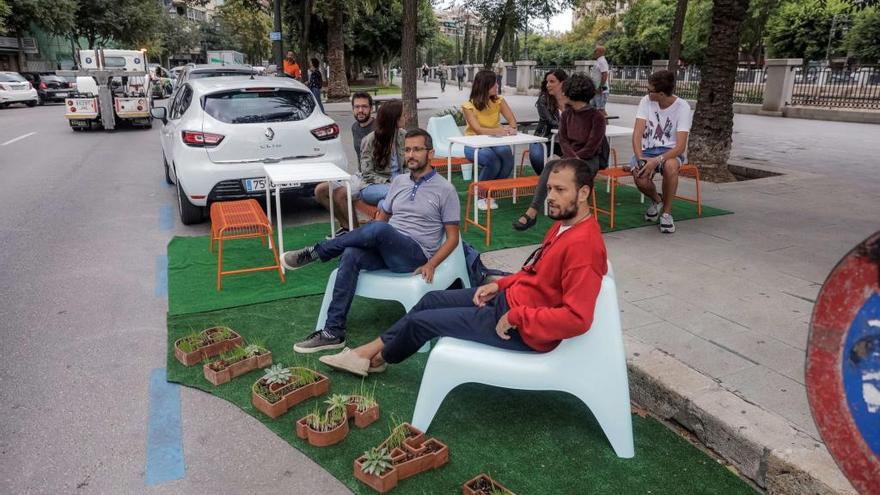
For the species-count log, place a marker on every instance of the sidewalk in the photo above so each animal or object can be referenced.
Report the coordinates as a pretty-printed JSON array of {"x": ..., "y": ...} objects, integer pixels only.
[{"x": 716, "y": 316}]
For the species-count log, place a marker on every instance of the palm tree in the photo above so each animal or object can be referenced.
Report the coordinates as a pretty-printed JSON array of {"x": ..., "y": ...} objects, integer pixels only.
[
  {"x": 712, "y": 132},
  {"x": 408, "y": 62},
  {"x": 337, "y": 86}
]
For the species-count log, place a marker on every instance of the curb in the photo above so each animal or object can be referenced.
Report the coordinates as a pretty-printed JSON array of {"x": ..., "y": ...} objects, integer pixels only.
[{"x": 762, "y": 446}]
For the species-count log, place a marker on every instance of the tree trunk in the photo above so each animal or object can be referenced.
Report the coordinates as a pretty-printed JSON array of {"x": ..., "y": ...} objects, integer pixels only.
[
  {"x": 675, "y": 41},
  {"x": 306, "y": 28},
  {"x": 408, "y": 63},
  {"x": 712, "y": 131},
  {"x": 337, "y": 88},
  {"x": 499, "y": 34},
  {"x": 383, "y": 76}
]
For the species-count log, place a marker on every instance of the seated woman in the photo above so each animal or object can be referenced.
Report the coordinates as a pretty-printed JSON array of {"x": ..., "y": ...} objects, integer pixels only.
[
  {"x": 382, "y": 153},
  {"x": 581, "y": 135},
  {"x": 483, "y": 115}
]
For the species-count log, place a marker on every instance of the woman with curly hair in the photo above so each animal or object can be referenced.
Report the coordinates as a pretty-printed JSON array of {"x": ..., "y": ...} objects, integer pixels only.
[{"x": 581, "y": 135}]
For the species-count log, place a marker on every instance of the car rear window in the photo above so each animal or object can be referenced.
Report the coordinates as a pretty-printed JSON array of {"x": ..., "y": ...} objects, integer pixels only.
[
  {"x": 52, "y": 78},
  {"x": 218, "y": 73},
  {"x": 12, "y": 78},
  {"x": 251, "y": 106}
]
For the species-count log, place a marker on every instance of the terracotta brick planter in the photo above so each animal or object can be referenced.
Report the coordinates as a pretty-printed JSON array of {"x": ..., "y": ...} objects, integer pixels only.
[
  {"x": 417, "y": 436},
  {"x": 321, "y": 438},
  {"x": 289, "y": 398},
  {"x": 361, "y": 419},
  {"x": 210, "y": 350},
  {"x": 237, "y": 369},
  {"x": 382, "y": 484},
  {"x": 483, "y": 484}
]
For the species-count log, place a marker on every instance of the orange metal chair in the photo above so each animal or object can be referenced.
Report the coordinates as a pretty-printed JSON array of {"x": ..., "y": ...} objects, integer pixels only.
[
  {"x": 367, "y": 209},
  {"x": 440, "y": 163},
  {"x": 240, "y": 220}
]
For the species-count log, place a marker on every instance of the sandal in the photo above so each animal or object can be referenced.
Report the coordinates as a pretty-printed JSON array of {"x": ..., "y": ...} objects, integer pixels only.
[{"x": 530, "y": 222}]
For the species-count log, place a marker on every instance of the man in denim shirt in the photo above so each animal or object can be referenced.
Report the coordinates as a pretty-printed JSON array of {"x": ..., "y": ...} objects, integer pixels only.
[{"x": 420, "y": 208}]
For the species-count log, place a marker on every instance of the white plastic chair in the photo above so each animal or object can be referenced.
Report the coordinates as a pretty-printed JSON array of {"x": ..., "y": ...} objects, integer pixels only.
[
  {"x": 441, "y": 129},
  {"x": 405, "y": 288},
  {"x": 591, "y": 367}
]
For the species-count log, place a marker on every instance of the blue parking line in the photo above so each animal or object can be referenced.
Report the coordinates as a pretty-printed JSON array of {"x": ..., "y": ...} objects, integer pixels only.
[
  {"x": 166, "y": 218},
  {"x": 164, "y": 443},
  {"x": 161, "y": 275}
]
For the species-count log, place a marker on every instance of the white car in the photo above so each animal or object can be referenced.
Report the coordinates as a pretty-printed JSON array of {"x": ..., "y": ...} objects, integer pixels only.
[
  {"x": 219, "y": 132},
  {"x": 14, "y": 88}
]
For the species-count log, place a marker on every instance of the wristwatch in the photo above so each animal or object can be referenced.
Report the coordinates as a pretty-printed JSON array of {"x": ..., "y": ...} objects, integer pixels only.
[{"x": 660, "y": 160}]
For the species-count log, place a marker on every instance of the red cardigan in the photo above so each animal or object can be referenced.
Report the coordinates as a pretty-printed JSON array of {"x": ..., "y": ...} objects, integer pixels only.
[{"x": 556, "y": 300}]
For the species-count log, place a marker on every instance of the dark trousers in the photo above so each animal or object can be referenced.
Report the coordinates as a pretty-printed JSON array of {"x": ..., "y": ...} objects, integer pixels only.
[
  {"x": 442, "y": 84},
  {"x": 448, "y": 313},
  {"x": 375, "y": 246}
]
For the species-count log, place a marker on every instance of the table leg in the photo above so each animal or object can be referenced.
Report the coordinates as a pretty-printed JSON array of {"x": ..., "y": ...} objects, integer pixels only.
[
  {"x": 280, "y": 232},
  {"x": 514, "y": 172},
  {"x": 449, "y": 163},
  {"x": 269, "y": 206},
  {"x": 350, "y": 209},
  {"x": 332, "y": 216},
  {"x": 476, "y": 179}
]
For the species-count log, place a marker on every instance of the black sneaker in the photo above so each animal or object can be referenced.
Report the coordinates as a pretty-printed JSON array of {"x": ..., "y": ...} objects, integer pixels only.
[
  {"x": 340, "y": 231},
  {"x": 318, "y": 341},
  {"x": 291, "y": 260}
]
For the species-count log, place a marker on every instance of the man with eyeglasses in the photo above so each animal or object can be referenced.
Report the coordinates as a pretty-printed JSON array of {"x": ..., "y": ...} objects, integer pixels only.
[
  {"x": 421, "y": 207},
  {"x": 551, "y": 299},
  {"x": 659, "y": 143}
]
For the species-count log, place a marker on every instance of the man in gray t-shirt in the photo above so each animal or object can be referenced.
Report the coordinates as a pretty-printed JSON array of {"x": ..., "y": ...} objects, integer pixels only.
[{"x": 407, "y": 237}]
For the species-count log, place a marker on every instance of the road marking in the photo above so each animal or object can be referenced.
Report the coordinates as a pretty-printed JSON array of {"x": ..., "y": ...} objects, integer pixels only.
[
  {"x": 164, "y": 442},
  {"x": 19, "y": 138},
  {"x": 166, "y": 218},
  {"x": 161, "y": 275}
]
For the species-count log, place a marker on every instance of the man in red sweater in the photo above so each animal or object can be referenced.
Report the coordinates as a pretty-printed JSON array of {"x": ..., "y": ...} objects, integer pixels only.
[{"x": 552, "y": 298}]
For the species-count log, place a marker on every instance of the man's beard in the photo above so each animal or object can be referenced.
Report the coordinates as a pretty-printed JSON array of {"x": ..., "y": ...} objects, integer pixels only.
[
  {"x": 566, "y": 213},
  {"x": 361, "y": 118},
  {"x": 420, "y": 168}
]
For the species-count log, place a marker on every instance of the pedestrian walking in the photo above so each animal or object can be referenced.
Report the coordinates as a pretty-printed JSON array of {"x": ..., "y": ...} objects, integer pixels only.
[
  {"x": 459, "y": 73},
  {"x": 316, "y": 82},
  {"x": 443, "y": 70},
  {"x": 425, "y": 71}
]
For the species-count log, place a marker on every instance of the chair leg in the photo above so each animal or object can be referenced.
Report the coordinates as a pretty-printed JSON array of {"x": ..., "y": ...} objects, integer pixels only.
[
  {"x": 613, "y": 413},
  {"x": 220, "y": 262},
  {"x": 325, "y": 303},
  {"x": 434, "y": 388},
  {"x": 268, "y": 237},
  {"x": 699, "y": 200},
  {"x": 613, "y": 185}
]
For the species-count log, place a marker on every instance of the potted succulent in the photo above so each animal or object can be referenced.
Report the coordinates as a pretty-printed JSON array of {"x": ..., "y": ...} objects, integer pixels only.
[
  {"x": 483, "y": 484},
  {"x": 363, "y": 407},
  {"x": 281, "y": 388},
  {"x": 376, "y": 469},
  {"x": 236, "y": 362},
  {"x": 322, "y": 430},
  {"x": 194, "y": 347}
]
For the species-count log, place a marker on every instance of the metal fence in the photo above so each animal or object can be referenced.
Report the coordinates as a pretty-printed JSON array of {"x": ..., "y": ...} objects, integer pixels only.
[
  {"x": 633, "y": 80},
  {"x": 837, "y": 87}
]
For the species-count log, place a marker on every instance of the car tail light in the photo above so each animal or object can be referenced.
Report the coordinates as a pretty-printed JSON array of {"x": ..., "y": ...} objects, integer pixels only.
[
  {"x": 43, "y": 85},
  {"x": 72, "y": 109},
  {"x": 327, "y": 132},
  {"x": 3, "y": 87},
  {"x": 69, "y": 103},
  {"x": 201, "y": 139},
  {"x": 30, "y": 86}
]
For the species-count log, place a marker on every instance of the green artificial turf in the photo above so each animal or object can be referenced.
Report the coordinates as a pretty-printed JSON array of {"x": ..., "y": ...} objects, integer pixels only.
[{"x": 532, "y": 442}]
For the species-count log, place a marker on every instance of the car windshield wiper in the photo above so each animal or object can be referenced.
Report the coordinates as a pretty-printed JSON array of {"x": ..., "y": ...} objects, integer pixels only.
[{"x": 269, "y": 117}]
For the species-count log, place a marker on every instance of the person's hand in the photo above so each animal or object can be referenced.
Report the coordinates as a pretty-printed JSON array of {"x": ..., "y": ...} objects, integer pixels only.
[
  {"x": 426, "y": 271},
  {"x": 511, "y": 131},
  {"x": 503, "y": 327},
  {"x": 484, "y": 294},
  {"x": 648, "y": 169}
]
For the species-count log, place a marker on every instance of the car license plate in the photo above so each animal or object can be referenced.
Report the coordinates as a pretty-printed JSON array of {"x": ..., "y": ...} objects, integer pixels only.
[
  {"x": 84, "y": 106},
  {"x": 253, "y": 185},
  {"x": 61, "y": 95}
]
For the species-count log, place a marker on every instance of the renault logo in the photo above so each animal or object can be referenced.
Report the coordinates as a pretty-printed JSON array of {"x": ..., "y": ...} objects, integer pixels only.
[{"x": 270, "y": 134}]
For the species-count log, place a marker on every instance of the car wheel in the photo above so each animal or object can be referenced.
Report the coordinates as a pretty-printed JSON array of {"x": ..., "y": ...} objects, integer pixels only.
[
  {"x": 32, "y": 103},
  {"x": 167, "y": 171},
  {"x": 190, "y": 214}
]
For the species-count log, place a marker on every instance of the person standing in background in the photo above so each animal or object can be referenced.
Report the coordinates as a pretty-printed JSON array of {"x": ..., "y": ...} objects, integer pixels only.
[
  {"x": 600, "y": 74},
  {"x": 291, "y": 68},
  {"x": 316, "y": 82}
]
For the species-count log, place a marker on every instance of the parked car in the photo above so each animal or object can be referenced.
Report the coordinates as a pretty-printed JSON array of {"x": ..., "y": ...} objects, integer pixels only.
[
  {"x": 14, "y": 88},
  {"x": 50, "y": 88},
  {"x": 201, "y": 71},
  {"x": 218, "y": 133}
]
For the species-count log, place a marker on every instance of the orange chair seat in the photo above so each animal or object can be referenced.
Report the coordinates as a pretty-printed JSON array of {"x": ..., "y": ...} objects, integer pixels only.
[
  {"x": 240, "y": 220},
  {"x": 457, "y": 162}
]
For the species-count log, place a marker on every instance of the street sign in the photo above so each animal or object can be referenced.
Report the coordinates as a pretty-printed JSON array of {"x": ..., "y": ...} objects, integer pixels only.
[
  {"x": 843, "y": 365},
  {"x": 275, "y": 36}
]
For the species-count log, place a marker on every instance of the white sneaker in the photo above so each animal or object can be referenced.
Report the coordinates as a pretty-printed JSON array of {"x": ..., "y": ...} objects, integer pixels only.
[
  {"x": 667, "y": 226},
  {"x": 493, "y": 204},
  {"x": 653, "y": 212},
  {"x": 482, "y": 205}
]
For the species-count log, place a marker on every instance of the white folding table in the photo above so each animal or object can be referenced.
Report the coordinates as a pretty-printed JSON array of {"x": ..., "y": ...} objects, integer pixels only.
[
  {"x": 483, "y": 141},
  {"x": 279, "y": 176}
]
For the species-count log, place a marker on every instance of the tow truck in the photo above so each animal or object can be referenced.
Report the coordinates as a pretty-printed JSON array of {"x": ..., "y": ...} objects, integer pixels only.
[{"x": 112, "y": 88}]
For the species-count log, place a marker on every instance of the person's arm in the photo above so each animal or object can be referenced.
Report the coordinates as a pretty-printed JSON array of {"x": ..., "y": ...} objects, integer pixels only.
[
  {"x": 603, "y": 85},
  {"x": 508, "y": 115},
  {"x": 368, "y": 167},
  {"x": 448, "y": 246},
  {"x": 637, "y": 137},
  {"x": 471, "y": 117}
]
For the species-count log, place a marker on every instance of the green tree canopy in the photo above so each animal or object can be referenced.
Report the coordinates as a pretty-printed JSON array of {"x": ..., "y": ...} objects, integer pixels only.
[
  {"x": 863, "y": 40},
  {"x": 801, "y": 29}
]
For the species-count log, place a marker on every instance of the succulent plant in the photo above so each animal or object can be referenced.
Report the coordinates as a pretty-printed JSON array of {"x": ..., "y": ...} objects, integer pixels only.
[
  {"x": 252, "y": 350},
  {"x": 376, "y": 461},
  {"x": 277, "y": 373}
]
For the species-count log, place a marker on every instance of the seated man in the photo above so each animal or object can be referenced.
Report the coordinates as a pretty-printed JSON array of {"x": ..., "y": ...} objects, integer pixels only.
[
  {"x": 421, "y": 206},
  {"x": 364, "y": 124},
  {"x": 552, "y": 298},
  {"x": 659, "y": 143}
]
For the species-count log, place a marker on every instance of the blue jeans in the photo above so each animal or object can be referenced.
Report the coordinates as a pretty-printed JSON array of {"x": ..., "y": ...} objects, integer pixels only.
[
  {"x": 317, "y": 93},
  {"x": 449, "y": 313},
  {"x": 536, "y": 155},
  {"x": 374, "y": 193},
  {"x": 495, "y": 162},
  {"x": 375, "y": 246},
  {"x": 652, "y": 152}
]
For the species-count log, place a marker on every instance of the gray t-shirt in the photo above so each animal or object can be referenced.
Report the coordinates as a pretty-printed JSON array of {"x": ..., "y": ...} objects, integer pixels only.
[
  {"x": 357, "y": 135},
  {"x": 419, "y": 210}
]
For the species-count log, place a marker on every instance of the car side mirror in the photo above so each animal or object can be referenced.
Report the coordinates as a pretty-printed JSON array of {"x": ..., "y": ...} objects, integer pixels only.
[{"x": 159, "y": 113}]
